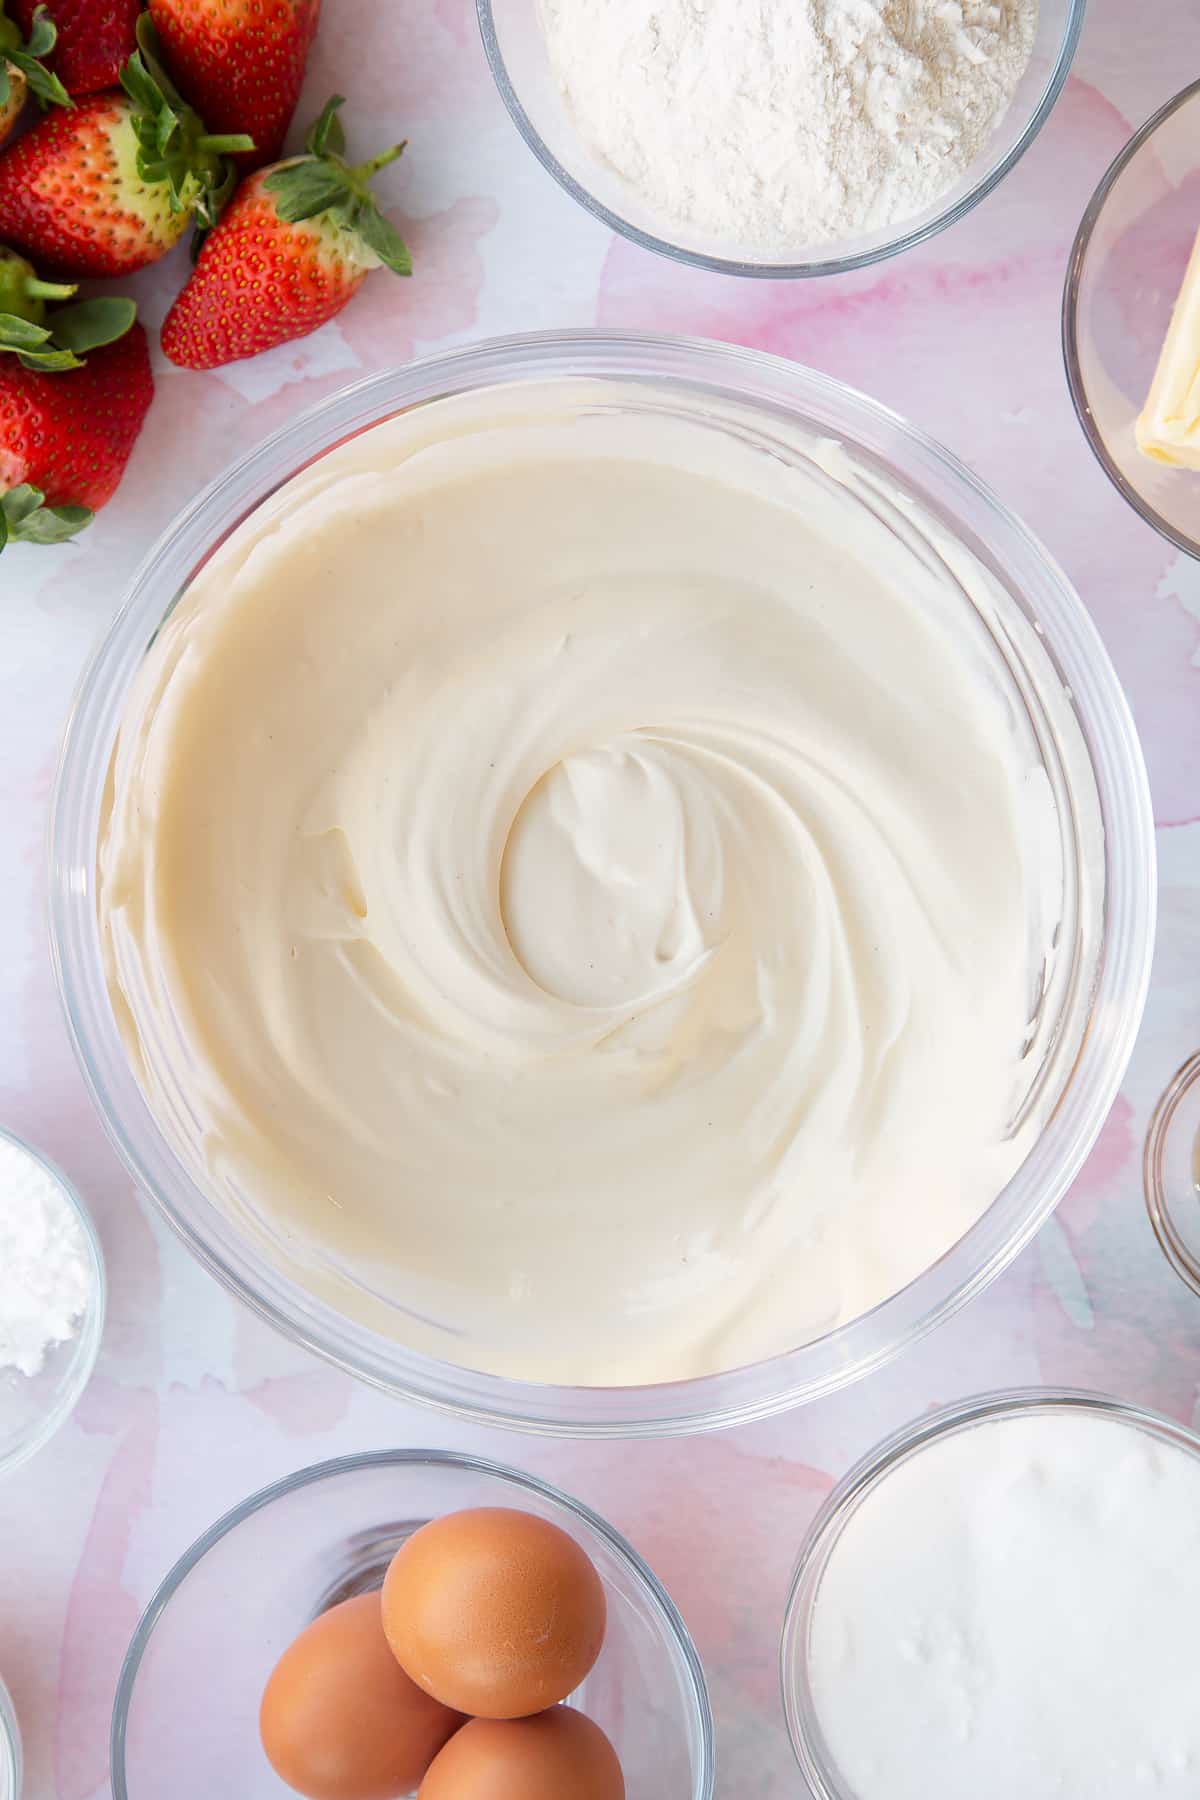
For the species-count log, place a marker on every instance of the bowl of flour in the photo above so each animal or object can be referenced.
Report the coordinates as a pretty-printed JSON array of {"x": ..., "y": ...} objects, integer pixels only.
[{"x": 779, "y": 137}]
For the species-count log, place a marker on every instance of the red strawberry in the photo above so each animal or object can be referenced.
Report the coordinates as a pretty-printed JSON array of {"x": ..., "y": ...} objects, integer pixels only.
[
  {"x": 95, "y": 39},
  {"x": 23, "y": 68},
  {"x": 240, "y": 62},
  {"x": 67, "y": 425},
  {"x": 110, "y": 184},
  {"x": 293, "y": 246}
]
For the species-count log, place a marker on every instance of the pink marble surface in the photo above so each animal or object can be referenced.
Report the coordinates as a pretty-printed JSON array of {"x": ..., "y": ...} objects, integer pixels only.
[{"x": 194, "y": 1403}]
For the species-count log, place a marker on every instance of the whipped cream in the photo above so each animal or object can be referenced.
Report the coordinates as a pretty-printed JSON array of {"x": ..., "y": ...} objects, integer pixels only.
[
  {"x": 1013, "y": 1611},
  {"x": 579, "y": 884}
]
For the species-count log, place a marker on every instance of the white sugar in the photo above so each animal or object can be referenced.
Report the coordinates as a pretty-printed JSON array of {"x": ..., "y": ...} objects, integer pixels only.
[{"x": 46, "y": 1273}]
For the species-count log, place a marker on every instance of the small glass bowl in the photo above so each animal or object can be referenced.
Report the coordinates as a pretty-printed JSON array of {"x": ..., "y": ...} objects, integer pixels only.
[
  {"x": 33, "y": 1407},
  {"x": 1123, "y": 277},
  {"x": 516, "y": 50},
  {"x": 1171, "y": 1172},
  {"x": 10, "y": 1748},
  {"x": 185, "y": 1719},
  {"x": 817, "y": 1765}
]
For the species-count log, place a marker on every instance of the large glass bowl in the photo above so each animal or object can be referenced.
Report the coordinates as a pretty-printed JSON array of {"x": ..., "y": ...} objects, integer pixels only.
[
  {"x": 823, "y": 1779},
  {"x": 1038, "y": 635},
  {"x": 185, "y": 1718},
  {"x": 516, "y": 50},
  {"x": 1125, "y": 271}
]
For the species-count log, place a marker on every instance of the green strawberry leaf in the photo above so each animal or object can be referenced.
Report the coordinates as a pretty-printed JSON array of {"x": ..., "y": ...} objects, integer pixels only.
[
  {"x": 149, "y": 57},
  {"x": 323, "y": 183},
  {"x": 383, "y": 238},
  {"x": 50, "y": 362},
  {"x": 53, "y": 524},
  {"x": 26, "y": 56},
  {"x": 43, "y": 34},
  {"x": 326, "y": 133},
  {"x": 44, "y": 85},
  {"x": 71, "y": 332},
  {"x": 21, "y": 334},
  {"x": 32, "y": 345},
  {"x": 172, "y": 145},
  {"x": 25, "y": 518},
  {"x": 303, "y": 189},
  {"x": 19, "y": 502},
  {"x": 90, "y": 324},
  {"x": 140, "y": 85},
  {"x": 210, "y": 202}
]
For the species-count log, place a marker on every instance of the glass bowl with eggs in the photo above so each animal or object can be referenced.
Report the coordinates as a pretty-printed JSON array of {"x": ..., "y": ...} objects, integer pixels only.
[
  {"x": 408, "y": 1620},
  {"x": 602, "y": 882},
  {"x": 794, "y": 145}
]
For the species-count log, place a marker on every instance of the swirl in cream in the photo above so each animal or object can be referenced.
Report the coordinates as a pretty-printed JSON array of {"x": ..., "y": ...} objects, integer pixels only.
[{"x": 578, "y": 879}]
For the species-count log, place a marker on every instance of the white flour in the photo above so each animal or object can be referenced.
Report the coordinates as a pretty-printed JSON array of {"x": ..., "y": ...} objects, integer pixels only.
[
  {"x": 784, "y": 123},
  {"x": 45, "y": 1270}
]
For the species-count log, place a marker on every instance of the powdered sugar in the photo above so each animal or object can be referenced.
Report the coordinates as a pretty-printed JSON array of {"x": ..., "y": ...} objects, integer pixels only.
[
  {"x": 46, "y": 1274},
  {"x": 781, "y": 124}
]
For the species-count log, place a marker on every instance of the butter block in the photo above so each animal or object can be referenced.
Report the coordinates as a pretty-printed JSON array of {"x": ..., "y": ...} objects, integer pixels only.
[{"x": 1168, "y": 428}]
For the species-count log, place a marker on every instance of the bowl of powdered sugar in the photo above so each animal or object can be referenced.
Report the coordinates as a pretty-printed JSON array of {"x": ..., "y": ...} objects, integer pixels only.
[
  {"x": 779, "y": 137},
  {"x": 52, "y": 1292}
]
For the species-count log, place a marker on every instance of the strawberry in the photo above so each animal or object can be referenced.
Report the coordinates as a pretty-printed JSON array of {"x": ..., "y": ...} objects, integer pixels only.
[
  {"x": 95, "y": 39},
  {"x": 296, "y": 242},
  {"x": 22, "y": 68},
  {"x": 73, "y": 394},
  {"x": 110, "y": 184},
  {"x": 240, "y": 62}
]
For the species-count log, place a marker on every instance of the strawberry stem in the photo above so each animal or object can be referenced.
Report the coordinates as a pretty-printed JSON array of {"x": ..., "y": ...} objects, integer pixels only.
[
  {"x": 364, "y": 171},
  {"x": 48, "y": 290},
  {"x": 228, "y": 145}
]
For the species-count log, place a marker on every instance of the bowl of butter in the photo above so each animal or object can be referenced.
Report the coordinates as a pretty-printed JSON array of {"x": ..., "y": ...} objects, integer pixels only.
[{"x": 1131, "y": 321}]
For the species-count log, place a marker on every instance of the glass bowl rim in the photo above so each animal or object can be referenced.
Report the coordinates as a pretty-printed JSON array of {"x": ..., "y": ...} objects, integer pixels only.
[
  {"x": 1158, "y": 1204},
  {"x": 751, "y": 379},
  {"x": 874, "y": 1467},
  {"x": 85, "y": 1347},
  {"x": 648, "y": 1583},
  {"x": 766, "y": 270},
  {"x": 11, "y": 1757},
  {"x": 1070, "y": 320}
]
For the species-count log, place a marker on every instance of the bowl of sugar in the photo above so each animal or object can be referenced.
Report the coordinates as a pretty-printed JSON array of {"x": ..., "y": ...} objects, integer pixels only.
[
  {"x": 52, "y": 1295},
  {"x": 781, "y": 141}
]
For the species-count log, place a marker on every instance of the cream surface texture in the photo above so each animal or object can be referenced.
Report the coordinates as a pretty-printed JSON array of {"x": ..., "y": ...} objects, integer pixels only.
[
  {"x": 1013, "y": 1611},
  {"x": 578, "y": 884}
]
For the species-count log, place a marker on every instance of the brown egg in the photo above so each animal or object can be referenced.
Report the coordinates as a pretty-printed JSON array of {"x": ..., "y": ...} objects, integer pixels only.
[
  {"x": 494, "y": 1612},
  {"x": 556, "y": 1755},
  {"x": 340, "y": 1720}
]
